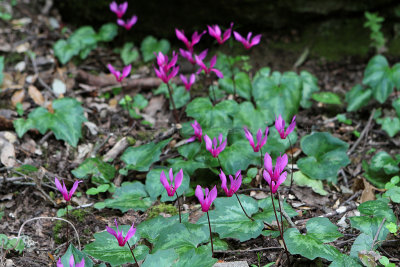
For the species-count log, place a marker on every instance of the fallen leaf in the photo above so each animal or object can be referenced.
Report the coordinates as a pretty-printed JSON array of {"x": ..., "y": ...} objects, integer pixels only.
[
  {"x": 368, "y": 193},
  {"x": 17, "y": 97},
  {"x": 36, "y": 95},
  {"x": 7, "y": 154}
]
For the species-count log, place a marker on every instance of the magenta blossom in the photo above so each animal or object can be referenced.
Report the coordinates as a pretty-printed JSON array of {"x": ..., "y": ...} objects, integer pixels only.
[
  {"x": 260, "y": 139},
  {"x": 63, "y": 189},
  {"x": 189, "y": 55},
  {"x": 119, "y": 10},
  {"x": 166, "y": 69},
  {"x": 215, "y": 32},
  {"x": 213, "y": 60},
  {"x": 169, "y": 187},
  {"x": 118, "y": 76},
  {"x": 235, "y": 183},
  {"x": 71, "y": 262},
  {"x": 274, "y": 177},
  {"x": 212, "y": 146},
  {"x": 206, "y": 201},
  {"x": 247, "y": 42},
  {"x": 198, "y": 132},
  {"x": 186, "y": 83},
  {"x": 189, "y": 44},
  {"x": 280, "y": 126},
  {"x": 119, "y": 235},
  {"x": 129, "y": 23}
]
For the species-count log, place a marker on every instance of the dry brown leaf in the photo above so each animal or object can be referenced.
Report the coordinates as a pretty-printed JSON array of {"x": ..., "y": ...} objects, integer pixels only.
[
  {"x": 368, "y": 193},
  {"x": 18, "y": 97},
  {"x": 7, "y": 154},
  {"x": 7, "y": 80},
  {"x": 36, "y": 95}
]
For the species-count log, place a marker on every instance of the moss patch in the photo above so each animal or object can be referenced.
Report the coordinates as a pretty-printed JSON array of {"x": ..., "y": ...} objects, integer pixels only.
[{"x": 162, "y": 208}]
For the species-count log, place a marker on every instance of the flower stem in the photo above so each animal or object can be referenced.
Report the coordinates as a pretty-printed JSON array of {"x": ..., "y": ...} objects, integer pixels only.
[
  {"x": 209, "y": 226},
  {"x": 67, "y": 226},
  {"x": 273, "y": 205},
  {"x": 245, "y": 213},
  {"x": 291, "y": 173},
  {"x": 133, "y": 255},
  {"x": 280, "y": 211},
  {"x": 179, "y": 207},
  {"x": 175, "y": 112}
]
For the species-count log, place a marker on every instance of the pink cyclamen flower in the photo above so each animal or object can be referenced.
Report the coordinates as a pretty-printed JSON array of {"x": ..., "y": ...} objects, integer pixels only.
[
  {"x": 274, "y": 177},
  {"x": 260, "y": 139},
  {"x": 180, "y": 34},
  {"x": 215, "y": 32},
  {"x": 118, "y": 76},
  {"x": 247, "y": 42},
  {"x": 171, "y": 189},
  {"x": 212, "y": 145},
  {"x": 235, "y": 183},
  {"x": 198, "y": 132},
  {"x": 63, "y": 189},
  {"x": 210, "y": 69},
  {"x": 186, "y": 83},
  {"x": 280, "y": 126},
  {"x": 71, "y": 262},
  {"x": 119, "y": 235},
  {"x": 119, "y": 9},
  {"x": 206, "y": 201},
  {"x": 189, "y": 55},
  {"x": 129, "y": 23},
  {"x": 163, "y": 72}
]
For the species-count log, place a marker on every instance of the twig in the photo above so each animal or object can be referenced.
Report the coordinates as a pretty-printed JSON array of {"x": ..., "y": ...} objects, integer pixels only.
[
  {"x": 377, "y": 233},
  {"x": 48, "y": 218},
  {"x": 35, "y": 69},
  {"x": 97, "y": 148},
  {"x": 363, "y": 133},
  {"x": 45, "y": 137},
  {"x": 346, "y": 182},
  {"x": 355, "y": 195},
  {"x": 247, "y": 250},
  {"x": 287, "y": 217}
]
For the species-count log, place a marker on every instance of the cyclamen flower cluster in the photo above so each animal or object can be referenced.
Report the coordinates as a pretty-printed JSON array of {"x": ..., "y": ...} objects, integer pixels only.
[
  {"x": 166, "y": 69},
  {"x": 120, "y": 10}
]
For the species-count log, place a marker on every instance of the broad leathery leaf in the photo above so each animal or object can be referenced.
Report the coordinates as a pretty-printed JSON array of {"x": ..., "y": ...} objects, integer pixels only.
[
  {"x": 190, "y": 166},
  {"x": 268, "y": 214},
  {"x": 198, "y": 257},
  {"x": 309, "y": 85},
  {"x": 391, "y": 125},
  {"x": 253, "y": 118},
  {"x": 163, "y": 258},
  {"x": 106, "y": 248},
  {"x": 394, "y": 194},
  {"x": 357, "y": 97},
  {"x": 379, "y": 208},
  {"x": 129, "y": 53},
  {"x": 142, "y": 157},
  {"x": 65, "y": 50},
  {"x": 369, "y": 226},
  {"x": 179, "y": 94},
  {"x": 316, "y": 185},
  {"x": 150, "y": 46},
  {"x": 396, "y": 106},
  {"x": 151, "y": 229},
  {"x": 381, "y": 169},
  {"x": 327, "y": 98},
  {"x": 107, "y": 32},
  {"x": 78, "y": 256},
  {"x": 362, "y": 242},
  {"x": 66, "y": 126},
  {"x": 229, "y": 221},
  {"x": 238, "y": 156},
  {"x": 323, "y": 230},
  {"x": 241, "y": 84},
  {"x": 1, "y": 69},
  {"x": 101, "y": 172}
]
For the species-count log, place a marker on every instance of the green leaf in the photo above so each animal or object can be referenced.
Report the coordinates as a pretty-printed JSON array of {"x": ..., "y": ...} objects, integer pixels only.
[
  {"x": 1, "y": 69},
  {"x": 150, "y": 45},
  {"x": 228, "y": 219},
  {"x": 343, "y": 119},
  {"x": 65, "y": 50},
  {"x": 391, "y": 125},
  {"x": 101, "y": 172},
  {"x": 309, "y": 86},
  {"x": 357, "y": 97},
  {"x": 156, "y": 189},
  {"x": 394, "y": 194},
  {"x": 238, "y": 156},
  {"x": 311, "y": 245},
  {"x": 302, "y": 180},
  {"x": 129, "y": 196},
  {"x": 199, "y": 257},
  {"x": 381, "y": 169},
  {"x": 107, "y": 32},
  {"x": 378, "y": 208},
  {"x": 395, "y": 105},
  {"x": 378, "y": 76},
  {"x": 242, "y": 85},
  {"x": 190, "y": 150},
  {"x": 129, "y": 53},
  {"x": 369, "y": 226},
  {"x": 326, "y": 155},
  {"x": 100, "y": 189},
  {"x": 180, "y": 95},
  {"x": 252, "y": 118},
  {"x": 362, "y": 242},
  {"x": 163, "y": 258},
  {"x": 268, "y": 214},
  {"x": 84, "y": 36},
  {"x": 78, "y": 256},
  {"x": 142, "y": 157},
  {"x": 151, "y": 229},
  {"x": 327, "y": 98},
  {"x": 106, "y": 248},
  {"x": 66, "y": 126}
]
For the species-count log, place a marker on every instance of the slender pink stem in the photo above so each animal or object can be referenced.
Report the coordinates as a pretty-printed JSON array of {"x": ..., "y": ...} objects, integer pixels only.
[
  {"x": 133, "y": 255},
  {"x": 245, "y": 213},
  {"x": 179, "y": 207}
]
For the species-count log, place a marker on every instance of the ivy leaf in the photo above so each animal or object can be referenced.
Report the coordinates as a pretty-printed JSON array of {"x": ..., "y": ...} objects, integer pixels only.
[
  {"x": 129, "y": 54},
  {"x": 391, "y": 125},
  {"x": 228, "y": 219},
  {"x": 129, "y": 196},
  {"x": 106, "y": 248},
  {"x": 381, "y": 168},
  {"x": 66, "y": 126},
  {"x": 379, "y": 208},
  {"x": 394, "y": 194},
  {"x": 102, "y": 172},
  {"x": 242, "y": 85},
  {"x": 309, "y": 86},
  {"x": 163, "y": 258},
  {"x": 1, "y": 69},
  {"x": 78, "y": 256},
  {"x": 357, "y": 97},
  {"x": 395, "y": 105},
  {"x": 326, "y": 155},
  {"x": 189, "y": 150},
  {"x": 151, "y": 46},
  {"x": 316, "y": 185},
  {"x": 142, "y": 157},
  {"x": 107, "y": 32}
]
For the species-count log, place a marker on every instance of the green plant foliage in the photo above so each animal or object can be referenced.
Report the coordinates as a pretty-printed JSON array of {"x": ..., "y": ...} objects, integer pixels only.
[
  {"x": 9, "y": 243},
  {"x": 66, "y": 126},
  {"x": 163, "y": 258},
  {"x": 391, "y": 125},
  {"x": 395, "y": 105},
  {"x": 302, "y": 180},
  {"x": 96, "y": 190},
  {"x": 381, "y": 168},
  {"x": 142, "y": 157},
  {"x": 228, "y": 219},
  {"x": 180, "y": 95},
  {"x": 129, "y": 53},
  {"x": 106, "y": 248},
  {"x": 156, "y": 189},
  {"x": 129, "y": 196},
  {"x": 107, "y": 32},
  {"x": 326, "y": 155},
  {"x": 150, "y": 45},
  {"x": 1, "y": 69},
  {"x": 378, "y": 208},
  {"x": 381, "y": 78},
  {"x": 101, "y": 172},
  {"x": 362, "y": 243},
  {"x": 138, "y": 102},
  {"x": 151, "y": 229},
  {"x": 238, "y": 156},
  {"x": 374, "y": 23},
  {"x": 242, "y": 84},
  {"x": 78, "y": 256},
  {"x": 199, "y": 257},
  {"x": 189, "y": 150},
  {"x": 357, "y": 97},
  {"x": 268, "y": 214},
  {"x": 343, "y": 119},
  {"x": 309, "y": 86},
  {"x": 327, "y": 98},
  {"x": 252, "y": 118}
]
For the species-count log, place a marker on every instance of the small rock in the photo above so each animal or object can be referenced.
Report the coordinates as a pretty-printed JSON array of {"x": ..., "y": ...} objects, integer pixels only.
[{"x": 231, "y": 264}]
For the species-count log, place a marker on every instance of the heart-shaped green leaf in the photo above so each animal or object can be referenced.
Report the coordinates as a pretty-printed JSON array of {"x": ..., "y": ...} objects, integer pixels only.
[
  {"x": 238, "y": 156},
  {"x": 395, "y": 104},
  {"x": 101, "y": 172},
  {"x": 78, "y": 256},
  {"x": 163, "y": 258},
  {"x": 309, "y": 86},
  {"x": 268, "y": 213},
  {"x": 151, "y": 229},
  {"x": 378, "y": 208},
  {"x": 391, "y": 125},
  {"x": 107, "y": 32},
  {"x": 199, "y": 257},
  {"x": 252, "y": 118},
  {"x": 242, "y": 85},
  {"x": 327, "y": 98},
  {"x": 381, "y": 169},
  {"x": 1, "y": 69},
  {"x": 316, "y": 185},
  {"x": 129, "y": 54},
  {"x": 362, "y": 242},
  {"x": 64, "y": 50},
  {"x": 150, "y": 45},
  {"x": 369, "y": 226},
  {"x": 357, "y": 97}
]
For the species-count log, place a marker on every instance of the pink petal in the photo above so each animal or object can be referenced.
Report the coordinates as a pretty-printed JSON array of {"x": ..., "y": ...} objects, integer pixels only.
[
  {"x": 181, "y": 36},
  {"x": 59, "y": 263},
  {"x": 217, "y": 31},
  {"x": 199, "y": 194},
  {"x": 213, "y": 194},
  {"x": 132, "y": 21},
  {"x": 208, "y": 142},
  {"x": 211, "y": 31},
  {"x": 164, "y": 181},
  {"x": 203, "y": 54},
  {"x": 222, "y": 147},
  {"x": 223, "y": 181},
  {"x": 259, "y": 136},
  {"x": 81, "y": 264},
  {"x": 126, "y": 71},
  {"x": 111, "y": 231},
  {"x": 281, "y": 163},
  {"x": 183, "y": 78},
  {"x": 256, "y": 40},
  {"x": 178, "y": 179},
  {"x": 130, "y": 233},
  {"x": 191, "y": 139},
  {"x": 291, "y": 126},
  {"x": 267, "y": 177},
  {"x": 121, "y": 22},
  {"x": 114, "y": 7},
  {"x": 200, "y": 62},
  {"x": 218, "y": 73},
  {"x": 192, "y": 78},
  {"x": 238, "y": 37},
  {"x": 249, "y": 136},
  {"x": 268, "y": 162},
  {"x": 73, "y": 189},
  {"x": 71, "y": 261},
  {"x": 58, "y": 185},
  {"x": 213, "y": 61}
]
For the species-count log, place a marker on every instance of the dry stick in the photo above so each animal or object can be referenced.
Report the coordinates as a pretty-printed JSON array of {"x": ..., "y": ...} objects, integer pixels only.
[
  {"x": 377, "y": 233},
  {"x": 179, "y": 207},
  {"x": 35, "y": 69},
  {"x": 209, "y": 226},
  {"x": 287, "y": 217},
  {"x": 48, "y": 218},
  {"x": 173, "y": 103},
  {"x": 133, "y": 255},
  {"x": 364, "y": 132},
  {"x": 245, "y": 213}
]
